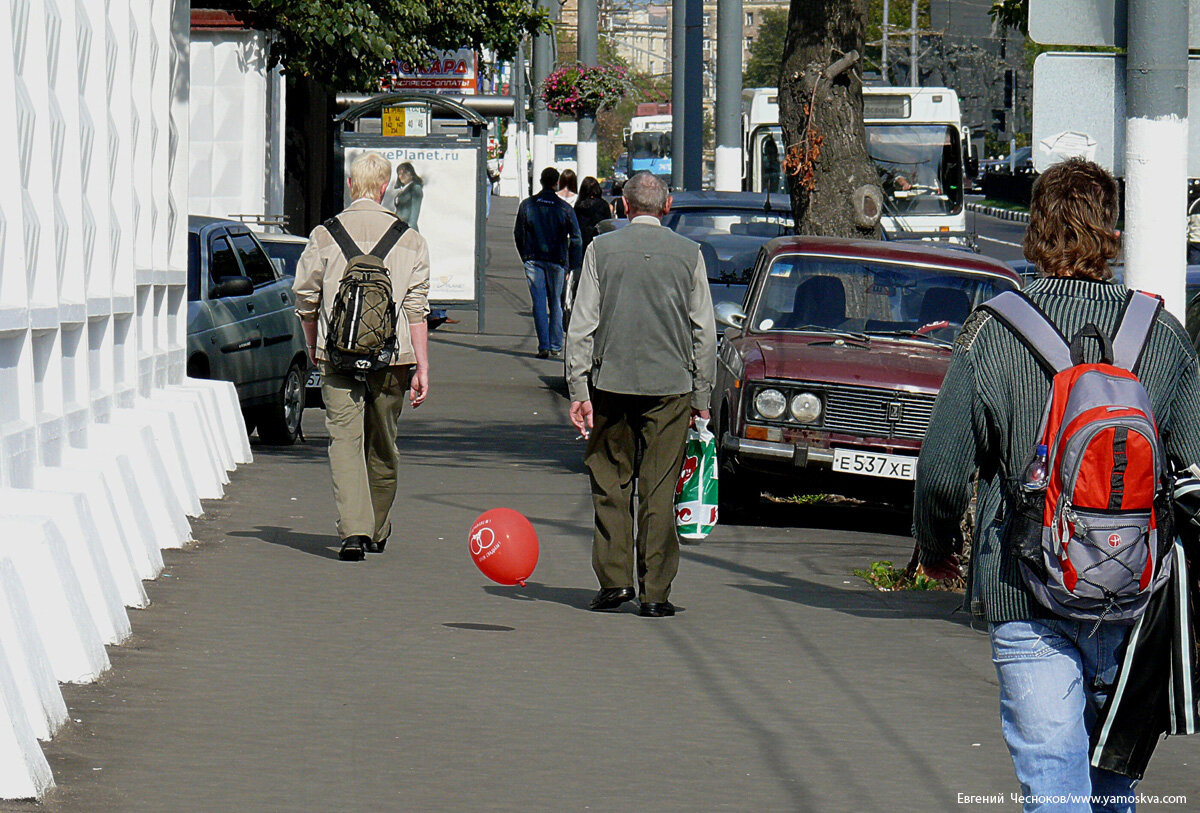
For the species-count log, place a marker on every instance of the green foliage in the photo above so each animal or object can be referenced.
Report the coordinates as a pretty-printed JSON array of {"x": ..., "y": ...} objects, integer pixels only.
[
  {"x": 346, "y": 44},
  {"x": 766, "y": 52},
  {"x": 884, "y": 576},
  {"x": 611, "y": 124},
  {"x": 1011, "y": 14}
]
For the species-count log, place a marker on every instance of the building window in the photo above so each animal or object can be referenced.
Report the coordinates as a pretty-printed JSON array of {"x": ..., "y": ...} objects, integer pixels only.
[
  {"x": 749, "y": 18},
  {"x": 707, "y": 19},
  {"x": 749, "y": 42}
]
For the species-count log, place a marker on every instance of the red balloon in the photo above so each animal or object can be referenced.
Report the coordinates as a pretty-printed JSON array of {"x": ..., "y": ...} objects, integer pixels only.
[{"x": 504, "y": 546}]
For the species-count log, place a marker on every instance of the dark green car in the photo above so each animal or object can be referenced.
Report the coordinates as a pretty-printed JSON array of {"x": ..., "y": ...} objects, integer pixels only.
[{"x": 242, "y": 326}]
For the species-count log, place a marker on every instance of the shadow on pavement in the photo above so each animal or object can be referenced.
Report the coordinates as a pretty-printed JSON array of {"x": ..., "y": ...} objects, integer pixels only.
[
  {"x": 323, "y": 545},
  {"x": 459, "y": 445},
  {"x": 576, "y": 597},
  {"x": 930, "y": 605},
  {"x": 850, "y": 515}
]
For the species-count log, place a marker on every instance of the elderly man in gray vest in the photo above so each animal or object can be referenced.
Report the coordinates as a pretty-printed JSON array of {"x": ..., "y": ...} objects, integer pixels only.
[{"x": 641, "y": 356}]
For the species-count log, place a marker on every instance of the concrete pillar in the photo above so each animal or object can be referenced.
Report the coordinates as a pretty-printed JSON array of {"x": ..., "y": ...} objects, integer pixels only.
[
  {"x": 1156, "y": 150},
  {"x": 729, "y": 159},
  {"x": 589, "y": 23}
]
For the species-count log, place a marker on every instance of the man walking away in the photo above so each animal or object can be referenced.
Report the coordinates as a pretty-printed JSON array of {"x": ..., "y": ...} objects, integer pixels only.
[
  {"x": 1055, "y": 672},
  {"x": 548, "y": 241},
  {"x": 362, "y": 411},
  {"x": 641, "y": 356}
]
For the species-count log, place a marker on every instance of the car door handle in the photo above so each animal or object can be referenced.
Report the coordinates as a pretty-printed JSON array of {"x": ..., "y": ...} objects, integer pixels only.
[
  {"x": 283, "y": 297},
  {"x": 250, "y": 307}
]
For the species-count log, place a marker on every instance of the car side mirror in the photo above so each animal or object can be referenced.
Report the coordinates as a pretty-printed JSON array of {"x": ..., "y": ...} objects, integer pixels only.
[
  {"x": 232, "y": 286},
  {"x": 730, "y": 314}
]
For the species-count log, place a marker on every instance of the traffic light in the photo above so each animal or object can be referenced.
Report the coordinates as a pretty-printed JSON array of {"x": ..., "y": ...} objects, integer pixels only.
[
  {"x": 998, "y": 120},
  {"x": 1010, "y": 86}
]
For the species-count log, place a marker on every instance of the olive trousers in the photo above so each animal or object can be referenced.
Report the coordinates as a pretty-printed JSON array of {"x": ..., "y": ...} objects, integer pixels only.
[
  {"x": 642, "y": 438},
  {"x": 362, "y": 418}
]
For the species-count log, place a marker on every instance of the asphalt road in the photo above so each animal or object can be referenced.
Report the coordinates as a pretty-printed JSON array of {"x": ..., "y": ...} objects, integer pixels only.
[
  {"x": 997, "y": 238},
  {"x": 268, "y": 675}
]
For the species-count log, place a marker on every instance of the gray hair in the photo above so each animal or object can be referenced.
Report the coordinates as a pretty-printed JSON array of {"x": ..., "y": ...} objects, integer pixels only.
[{"x": 645, "y": 193}]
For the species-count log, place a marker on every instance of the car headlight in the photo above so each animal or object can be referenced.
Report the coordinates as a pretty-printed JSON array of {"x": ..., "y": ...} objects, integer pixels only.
[
  {"x": 770, "y": 404},
  {"x": 806, "y": 407}
]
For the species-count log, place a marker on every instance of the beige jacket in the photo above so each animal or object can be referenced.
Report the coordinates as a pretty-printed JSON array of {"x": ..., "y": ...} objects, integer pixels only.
[{"x": 320, "y": 269}]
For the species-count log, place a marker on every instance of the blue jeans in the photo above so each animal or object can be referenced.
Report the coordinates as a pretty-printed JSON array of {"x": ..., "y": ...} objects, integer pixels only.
[
  {"x": 545, "y": 289},
  {"x": 1054, "y": 679}
]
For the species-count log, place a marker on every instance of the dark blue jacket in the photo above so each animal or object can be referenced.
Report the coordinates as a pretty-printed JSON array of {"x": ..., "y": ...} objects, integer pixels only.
[{"x": 547, "y": 230}]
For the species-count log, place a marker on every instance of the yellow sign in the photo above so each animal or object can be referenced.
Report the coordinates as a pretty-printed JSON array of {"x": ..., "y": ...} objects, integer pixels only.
[
  {"x": 393, "y": 121},
  {"x": 405, "y": 121}
]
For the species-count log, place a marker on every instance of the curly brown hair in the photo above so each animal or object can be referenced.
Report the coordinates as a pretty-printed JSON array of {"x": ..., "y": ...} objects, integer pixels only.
[{"x": 1072, "y": 221}]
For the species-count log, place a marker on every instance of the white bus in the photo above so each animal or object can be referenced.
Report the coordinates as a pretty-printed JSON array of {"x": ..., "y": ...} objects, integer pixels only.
[
  {"x": 648, "y": 142},
  {"x": 915, "y": 137}
]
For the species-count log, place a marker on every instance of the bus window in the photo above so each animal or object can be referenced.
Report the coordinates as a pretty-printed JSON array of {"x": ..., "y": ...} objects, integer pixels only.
[{"x": 920, "y": 167}]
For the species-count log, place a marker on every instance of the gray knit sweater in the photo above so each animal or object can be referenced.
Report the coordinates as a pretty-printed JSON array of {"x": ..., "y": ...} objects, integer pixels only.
[{"x": 986, "y": 418}]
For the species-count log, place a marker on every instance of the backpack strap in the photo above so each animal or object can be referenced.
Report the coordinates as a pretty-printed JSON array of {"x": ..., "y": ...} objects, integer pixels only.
[
  {"x": 389, "y": 239},
  {"x": 342, "y": 237},
  {"x": 1141, "y": 311},
  {"x": 1033, "y": 328}
]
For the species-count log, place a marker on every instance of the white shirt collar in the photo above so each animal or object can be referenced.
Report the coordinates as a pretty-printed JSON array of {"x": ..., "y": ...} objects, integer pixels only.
[{"x": 647, "y": 219}]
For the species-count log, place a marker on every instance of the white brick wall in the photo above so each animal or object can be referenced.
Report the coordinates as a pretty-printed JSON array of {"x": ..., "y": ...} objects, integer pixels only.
[{"x": 97, "y": 472}]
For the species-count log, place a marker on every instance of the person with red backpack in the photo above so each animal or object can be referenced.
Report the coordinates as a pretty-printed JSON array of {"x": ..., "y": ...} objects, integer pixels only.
[{"x": 1073, "y": 401}]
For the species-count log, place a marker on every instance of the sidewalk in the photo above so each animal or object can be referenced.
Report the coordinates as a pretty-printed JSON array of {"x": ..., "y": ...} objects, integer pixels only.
[{"x": 268, "y": 675}]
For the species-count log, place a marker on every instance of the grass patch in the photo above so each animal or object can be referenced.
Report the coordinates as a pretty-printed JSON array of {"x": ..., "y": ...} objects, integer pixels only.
[{"x": 886, "y": 576}]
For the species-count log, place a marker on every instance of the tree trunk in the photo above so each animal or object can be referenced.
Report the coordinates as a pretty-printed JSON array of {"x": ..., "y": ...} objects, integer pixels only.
[{"x": 834, "y": 184}]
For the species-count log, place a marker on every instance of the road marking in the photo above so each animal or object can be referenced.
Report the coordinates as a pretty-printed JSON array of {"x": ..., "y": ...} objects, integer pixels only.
[{"x": 1001, "y": 242}]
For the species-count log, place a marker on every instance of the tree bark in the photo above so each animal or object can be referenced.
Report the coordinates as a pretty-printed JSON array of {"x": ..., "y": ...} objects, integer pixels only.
[{"x": 821, "y": 110}]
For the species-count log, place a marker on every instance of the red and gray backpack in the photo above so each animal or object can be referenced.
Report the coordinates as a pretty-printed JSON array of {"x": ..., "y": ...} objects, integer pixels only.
[{"x": 1089, "y": 525}]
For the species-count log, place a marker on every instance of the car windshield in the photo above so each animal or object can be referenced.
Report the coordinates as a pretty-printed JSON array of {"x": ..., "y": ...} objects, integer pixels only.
[
  {"x": 289, "y": 253},
  {"x": 749, "y": 222},
  {"x": 920, "y": 167},
  {"x": 648, "y": 144},
  {"x": 824, "y": 294}
]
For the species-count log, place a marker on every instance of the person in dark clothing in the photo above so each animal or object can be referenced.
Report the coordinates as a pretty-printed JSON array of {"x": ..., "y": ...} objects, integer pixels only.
[
  {"x": 590, "y": 209},
  {"x": 547, "y": 237},
  {"x": 1055, "y": 674}
]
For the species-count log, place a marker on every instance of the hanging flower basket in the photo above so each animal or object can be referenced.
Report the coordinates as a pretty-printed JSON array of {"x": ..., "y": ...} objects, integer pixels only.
[{"x": 575, "y": 90}]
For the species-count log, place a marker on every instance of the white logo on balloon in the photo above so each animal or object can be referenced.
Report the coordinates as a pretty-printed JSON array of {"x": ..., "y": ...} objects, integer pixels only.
[{"x": 478, "y": 545}]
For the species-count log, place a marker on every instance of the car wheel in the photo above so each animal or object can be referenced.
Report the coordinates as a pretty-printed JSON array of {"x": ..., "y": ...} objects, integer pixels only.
[
  {"x": 279, "y": 422},
  {"x": 738, "y": 492}
]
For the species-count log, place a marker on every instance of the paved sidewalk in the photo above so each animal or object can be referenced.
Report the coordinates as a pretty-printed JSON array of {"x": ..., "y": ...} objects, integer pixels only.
[{"x": 268, "y": 675}]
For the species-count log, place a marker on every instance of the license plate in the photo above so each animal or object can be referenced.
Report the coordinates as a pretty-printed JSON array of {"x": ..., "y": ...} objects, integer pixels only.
[
  {"x": 873, "y": 464},
  {"x": 314, "y": 378}
]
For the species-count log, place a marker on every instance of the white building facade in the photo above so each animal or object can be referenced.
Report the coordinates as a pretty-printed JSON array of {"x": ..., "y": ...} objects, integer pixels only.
[{"x": 105, "y": 447}]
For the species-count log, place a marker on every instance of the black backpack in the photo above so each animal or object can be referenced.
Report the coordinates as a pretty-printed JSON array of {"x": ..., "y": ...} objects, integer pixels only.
[{"x": 362, "y": 323}]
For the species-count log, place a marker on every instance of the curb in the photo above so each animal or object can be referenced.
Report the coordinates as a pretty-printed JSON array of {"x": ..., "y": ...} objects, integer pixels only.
[{"x": 996, "y": 211}]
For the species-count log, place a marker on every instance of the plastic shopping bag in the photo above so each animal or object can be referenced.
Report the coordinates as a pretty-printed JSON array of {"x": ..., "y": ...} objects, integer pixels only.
[{"x": 696, "y": 493}]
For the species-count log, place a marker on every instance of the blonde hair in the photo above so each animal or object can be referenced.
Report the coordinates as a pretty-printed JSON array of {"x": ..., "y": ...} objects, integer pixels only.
[{"x": 368, "y": 174}]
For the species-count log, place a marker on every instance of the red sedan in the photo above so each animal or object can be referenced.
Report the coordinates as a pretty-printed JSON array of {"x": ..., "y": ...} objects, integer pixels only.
[{"x": 829, "y": 368}]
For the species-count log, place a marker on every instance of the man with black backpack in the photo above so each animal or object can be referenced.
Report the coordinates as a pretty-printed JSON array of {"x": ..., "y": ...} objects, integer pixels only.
[
  {"x": 362, "y": 288},
  {"x": 1073, "y": 401}
]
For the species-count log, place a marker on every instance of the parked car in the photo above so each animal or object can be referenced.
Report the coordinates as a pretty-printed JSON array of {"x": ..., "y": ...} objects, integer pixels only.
[
  {"x": 284, "y": 250},
  {"x": 242, "y": 326},
  {"x": 828, "y": 372},
  {"x": 733, "y": 226}
]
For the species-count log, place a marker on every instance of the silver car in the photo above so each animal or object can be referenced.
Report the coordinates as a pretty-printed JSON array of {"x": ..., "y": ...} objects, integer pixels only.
[{"x": 242, "y": 326}]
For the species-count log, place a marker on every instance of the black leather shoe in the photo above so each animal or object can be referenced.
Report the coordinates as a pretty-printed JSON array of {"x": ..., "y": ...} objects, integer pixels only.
[
  {"x": 610, "y": 598},
  {"x": 354, "y": 548},
  {"x": 656, "y": 609},
  {"x": 373, "y": 546}
]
